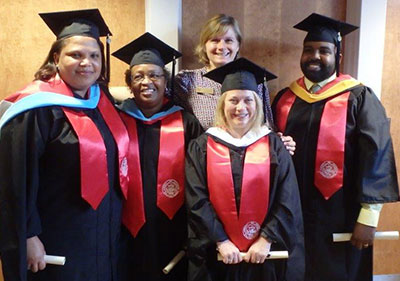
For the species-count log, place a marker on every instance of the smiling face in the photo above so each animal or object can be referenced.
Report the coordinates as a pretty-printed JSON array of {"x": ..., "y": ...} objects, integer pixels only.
[
  {"x": 318, "y": 60},
  {"x": 79, "y": 63},
  {"x": 240, "y": 111},
  {"x": 222, "y": 49},
  {"x": 148, "y": 87}
]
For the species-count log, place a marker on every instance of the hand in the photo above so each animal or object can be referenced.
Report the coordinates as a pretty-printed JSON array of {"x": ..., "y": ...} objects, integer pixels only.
[
  {"x": 258, "y": 251},
  {"x": 229, "y": 252},
  {"x": 363, "y": 236},
  {"x": 288, "y": 142},
  {"x": 35, "y": 254}
]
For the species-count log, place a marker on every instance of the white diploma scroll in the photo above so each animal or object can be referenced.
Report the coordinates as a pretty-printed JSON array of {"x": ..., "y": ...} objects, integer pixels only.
[
  {"x": 56, "y": 260},
  {"x": 273, "y": 255},
  {"x": 380, "y": 235},
  {"x": 173, "y": 262}
]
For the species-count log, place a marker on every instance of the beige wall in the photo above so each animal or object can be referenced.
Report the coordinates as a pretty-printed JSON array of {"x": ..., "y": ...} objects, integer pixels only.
[
  {"x": 387, "y": 253},
  {"x": 269, "y": 38},
  {"x": 25, "y": 39}
]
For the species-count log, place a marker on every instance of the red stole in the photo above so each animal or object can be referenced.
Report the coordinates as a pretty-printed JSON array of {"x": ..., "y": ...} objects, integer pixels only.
[
  {"x": 283, "y": 107},
  {"x": 243, "y": 228},
  {"x": 170, "y": 171},
  {"x": 329, "y": 160},
  {"x": 93, "y": 160}
]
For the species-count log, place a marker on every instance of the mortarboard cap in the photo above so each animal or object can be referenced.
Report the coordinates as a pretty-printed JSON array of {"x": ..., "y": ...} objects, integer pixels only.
[
  {"x": 79, "y": 22},
  {"x": 147, "y": 49},
  {"x": 240, "y": 74},
  {"x": 325, "y": 29},
  {"x": 322, "y": 28}
]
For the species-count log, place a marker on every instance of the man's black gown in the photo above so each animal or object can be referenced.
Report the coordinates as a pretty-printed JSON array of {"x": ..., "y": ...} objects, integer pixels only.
[
  {"x": 283, "y": 223},
  {"x": 40, "y": 194},
  {"x": 369, "y": 177}
]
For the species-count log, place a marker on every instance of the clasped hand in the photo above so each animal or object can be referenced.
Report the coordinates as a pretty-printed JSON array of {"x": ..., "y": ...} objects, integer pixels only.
[{"x": 257, "y": 252}]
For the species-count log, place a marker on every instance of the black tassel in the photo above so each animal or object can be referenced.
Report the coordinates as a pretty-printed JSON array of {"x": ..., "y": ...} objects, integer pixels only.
[
  {"x": 108, "y": 41},
  {"x": 264, "y": 98},
  {"x": 172, "y": 76},
  {"x": 337, "y": 56}
]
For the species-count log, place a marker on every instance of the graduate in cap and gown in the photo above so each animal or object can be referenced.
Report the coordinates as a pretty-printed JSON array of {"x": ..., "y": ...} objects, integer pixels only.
[
  {"x": 63, "y": 167},
  {"x": 242, "y": 193},
  {"x": 344, "y": 158},
  {"x": 154, "y": 216}
]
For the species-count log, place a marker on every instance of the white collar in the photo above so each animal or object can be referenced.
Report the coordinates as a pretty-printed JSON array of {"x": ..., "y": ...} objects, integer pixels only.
[
  {"x": 249, "y": 138},
  {"x": 309, "y": 83}
]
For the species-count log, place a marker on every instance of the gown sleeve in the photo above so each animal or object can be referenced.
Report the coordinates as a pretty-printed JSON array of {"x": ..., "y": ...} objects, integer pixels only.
[
  {"x": 376, "y": 176},
  {"x": 202, "y": 217},
  {"x": 284, "y": 224},
  {"x": 204, "y": 228},
  {"x": 22, "y": 141}
]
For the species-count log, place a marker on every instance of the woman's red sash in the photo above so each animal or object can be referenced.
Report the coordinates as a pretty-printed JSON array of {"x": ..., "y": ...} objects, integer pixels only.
[
  {"x": 170, "y": 171},
  {"x": 243, "y": 228},
  {"x": 93, "y": 160}
]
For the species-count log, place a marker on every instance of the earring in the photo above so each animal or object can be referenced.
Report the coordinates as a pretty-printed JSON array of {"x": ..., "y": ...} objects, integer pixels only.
[{"x": 167, "y": 92}]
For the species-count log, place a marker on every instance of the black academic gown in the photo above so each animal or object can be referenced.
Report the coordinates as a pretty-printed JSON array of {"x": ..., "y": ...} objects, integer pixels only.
[
  {"x": 283, "y": 223},
  {"x": 369, "y": 177},
  {"x": 40, "y": 195},
  {"x": 160, "y": 238}
]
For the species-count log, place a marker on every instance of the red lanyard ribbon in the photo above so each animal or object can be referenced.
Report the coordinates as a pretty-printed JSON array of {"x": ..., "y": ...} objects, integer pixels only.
[{"x": 243, "y": 228}]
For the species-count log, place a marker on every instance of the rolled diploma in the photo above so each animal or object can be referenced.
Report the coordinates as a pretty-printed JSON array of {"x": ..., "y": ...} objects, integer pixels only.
[
  {"x": 273, "y": 255},
  {"x": 173, "y": 262},
  {"x": 381, "y": 235},
  {"x": 56, "y": 260}
]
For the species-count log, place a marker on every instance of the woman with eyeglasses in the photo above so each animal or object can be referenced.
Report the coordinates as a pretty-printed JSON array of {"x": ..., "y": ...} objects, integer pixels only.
[{"x": 154, "y": 216}]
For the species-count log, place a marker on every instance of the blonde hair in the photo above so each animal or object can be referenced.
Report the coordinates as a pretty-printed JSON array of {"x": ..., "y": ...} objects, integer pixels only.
[
  {"x": 217, "y": 25},
  {"x": 256, "y": 122}
]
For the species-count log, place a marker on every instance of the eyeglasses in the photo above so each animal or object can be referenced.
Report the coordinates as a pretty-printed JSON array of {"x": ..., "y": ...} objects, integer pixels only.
[{"x": 139, "y": 77}]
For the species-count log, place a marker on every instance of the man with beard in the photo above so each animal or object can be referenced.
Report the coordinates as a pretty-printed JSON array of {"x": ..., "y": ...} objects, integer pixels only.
[{"x": 344, "y": 157}]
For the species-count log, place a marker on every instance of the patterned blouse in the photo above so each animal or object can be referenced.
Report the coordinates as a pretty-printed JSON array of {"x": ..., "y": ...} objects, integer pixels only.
[{"x": 199, "y": 95}]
